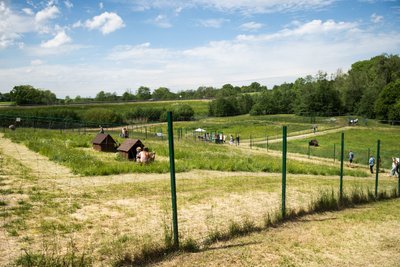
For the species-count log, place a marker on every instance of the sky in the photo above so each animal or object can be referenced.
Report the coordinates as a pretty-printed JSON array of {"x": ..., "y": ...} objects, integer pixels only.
[{"x": 73, "y": 47}]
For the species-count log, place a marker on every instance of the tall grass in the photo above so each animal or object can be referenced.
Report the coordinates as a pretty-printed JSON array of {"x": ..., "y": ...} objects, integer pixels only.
[{"x": 66, "y": 148}]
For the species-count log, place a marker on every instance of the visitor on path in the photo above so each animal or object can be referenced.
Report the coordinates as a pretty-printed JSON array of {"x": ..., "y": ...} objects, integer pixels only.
[
  {"x": 371, "y": 163},
  {"x": 237, "y": 140},
  {"x": 101, "y": 129},
  {"x": 315, "y": 127},
  {"x": 351, "y": 158}
]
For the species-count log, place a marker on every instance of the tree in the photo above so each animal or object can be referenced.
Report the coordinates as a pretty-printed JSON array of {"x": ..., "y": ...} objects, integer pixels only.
[
  {"x": 387, "y": 100},
  {"x": 163, "y": 93},
  {"x": 127, "y": 95},
  {"x": 28, "y": 95},
  {"x": 143, "y": 93}
]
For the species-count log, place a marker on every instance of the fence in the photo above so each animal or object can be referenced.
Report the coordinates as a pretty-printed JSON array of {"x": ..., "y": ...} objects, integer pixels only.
[{"x": 212, "y": 192}]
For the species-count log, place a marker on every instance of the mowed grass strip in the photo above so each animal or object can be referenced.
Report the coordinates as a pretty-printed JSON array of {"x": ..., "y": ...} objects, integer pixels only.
[
  {"x": 368, "y": 235},
  {"x": 69, "y": 150}
]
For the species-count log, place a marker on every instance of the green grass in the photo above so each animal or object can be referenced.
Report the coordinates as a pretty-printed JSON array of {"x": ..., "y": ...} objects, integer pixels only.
[
  {"x": 359, "y": 140},
  {"x": 66, "y": 149}
]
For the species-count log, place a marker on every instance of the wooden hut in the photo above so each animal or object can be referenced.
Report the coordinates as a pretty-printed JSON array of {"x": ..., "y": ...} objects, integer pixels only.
[
  {"x": 128, "y": 148},
  {"x": 104, "y": 142}
]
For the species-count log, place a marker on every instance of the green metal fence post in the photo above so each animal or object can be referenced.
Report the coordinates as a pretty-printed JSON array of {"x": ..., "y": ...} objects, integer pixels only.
[
  {"x": 341, "y": 167},
  {"x": 284, "y": 152},
  {"x": 309, "y": 150},
  {"x": 267, "y": 142},
  {"x": 173, "y": 183},
  {"x": 377, "y": 167}
]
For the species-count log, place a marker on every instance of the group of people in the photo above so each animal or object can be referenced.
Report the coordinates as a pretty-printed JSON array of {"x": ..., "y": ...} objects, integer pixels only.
[
  {"x": 394, "y": 171},
  {"x": 220, "y": 138},
  {"x": 144, "y": 155}
]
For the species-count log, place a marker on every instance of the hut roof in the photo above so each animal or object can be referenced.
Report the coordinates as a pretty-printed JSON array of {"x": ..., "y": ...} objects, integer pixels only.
[
  {"x": 129, "y": 144},
  {"x": 99, "y": 139}
]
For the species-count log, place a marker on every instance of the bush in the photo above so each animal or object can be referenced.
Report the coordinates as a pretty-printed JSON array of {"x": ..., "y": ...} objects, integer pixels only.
[{"x": 102, "y": 116}]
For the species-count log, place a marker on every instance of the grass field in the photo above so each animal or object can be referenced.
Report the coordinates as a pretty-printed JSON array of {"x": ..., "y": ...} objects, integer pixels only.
[
  {"x": 360, "y": 141},
  {"x": 61, "y": 201},
  {"x": 73, "y": 150}
]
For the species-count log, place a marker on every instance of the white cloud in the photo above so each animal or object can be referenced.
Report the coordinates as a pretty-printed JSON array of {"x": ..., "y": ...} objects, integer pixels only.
[
  {"x": 12, "y": 26},
  {"x": 376, "y": 19},
  {"x": 48, "y": 13},
  {"x": 213, "y": 23},
  {"x": 106, "y": 23},
  {"x": 68, "y": 4},
  {"x": 245, "y": 6},
  {"x": 28, "y": 11},
  {"x": 101, "y": 5},
  {"x": 60, "y": 39},
  {"x": 251, "y": 26},
  {"x": 36, "y": 62},
  {"x": 161, "y": 21},
  {"x": 142, "y": 54},
  {"x": 311, "y": 29}
]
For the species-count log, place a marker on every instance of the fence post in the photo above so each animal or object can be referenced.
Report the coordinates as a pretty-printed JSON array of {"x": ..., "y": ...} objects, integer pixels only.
[
  {"x": 284, "y": 150},
  {"x": 250, "y": 142},
  {"x": 341, "y": 167},
  {"x": 377, "y": 167},
  {"x": 267, "y": 142},
  {"x": 173, "y": 183}
]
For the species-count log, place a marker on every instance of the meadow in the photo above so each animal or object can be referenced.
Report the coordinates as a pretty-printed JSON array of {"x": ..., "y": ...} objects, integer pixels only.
[
  {"x": 64, "y": 203},
  {"x": 362, "y": 141},
  {"x": 73, "y": 149}
]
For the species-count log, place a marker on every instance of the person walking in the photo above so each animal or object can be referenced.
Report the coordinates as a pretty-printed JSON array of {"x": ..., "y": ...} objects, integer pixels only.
[
  {"x": 351, "y": 157},
  {"x": 371, "y": 164}
]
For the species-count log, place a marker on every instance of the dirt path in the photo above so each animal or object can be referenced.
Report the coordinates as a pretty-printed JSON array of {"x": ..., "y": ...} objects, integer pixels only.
[{"x": 301, "y": 136}]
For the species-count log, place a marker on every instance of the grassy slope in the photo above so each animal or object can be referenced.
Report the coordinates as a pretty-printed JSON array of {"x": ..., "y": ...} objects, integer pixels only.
[
  {"x": 359, "y": 140},
  {"x": 366, "y": 236}
]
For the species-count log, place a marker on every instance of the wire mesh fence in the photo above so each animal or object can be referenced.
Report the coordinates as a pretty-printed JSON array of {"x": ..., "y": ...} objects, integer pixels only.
[{"x": 113, "y": 209}]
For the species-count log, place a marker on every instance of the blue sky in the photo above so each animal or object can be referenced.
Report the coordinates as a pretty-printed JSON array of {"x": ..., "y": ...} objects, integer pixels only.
[{"x": 81, "y": 47}]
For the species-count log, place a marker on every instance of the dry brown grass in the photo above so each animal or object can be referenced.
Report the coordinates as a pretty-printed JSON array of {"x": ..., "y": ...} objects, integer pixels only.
[
  {"x": 114, "y": 216},
  {"x": 366, "y": 236}
]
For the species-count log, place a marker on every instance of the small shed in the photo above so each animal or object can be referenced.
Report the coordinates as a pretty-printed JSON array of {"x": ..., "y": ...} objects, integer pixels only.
[
  {"x": 104, "y": 142},
  {"x": 128, "y": 148}
]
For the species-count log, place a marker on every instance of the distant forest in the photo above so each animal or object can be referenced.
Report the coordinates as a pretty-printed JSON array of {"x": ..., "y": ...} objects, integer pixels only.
[{"x": 371, "y": 88}]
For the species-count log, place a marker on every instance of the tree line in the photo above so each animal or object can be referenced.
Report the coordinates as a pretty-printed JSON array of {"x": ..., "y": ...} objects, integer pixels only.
[{"x": 371, "y": 88}]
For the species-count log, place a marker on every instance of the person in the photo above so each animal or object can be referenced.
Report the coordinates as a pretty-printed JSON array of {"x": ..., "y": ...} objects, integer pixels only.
[
  {"x": 237, "y": 140},
  {"x": 101, "y": 129},
  {"x": 124, "y": 132},
  {"x": 231, "y": 140},
  {"x": 144, "y": 155},
  {"x": 138, "y": 150},
  {"x": 393, "y": 171},
  {"x": 315, "y": 128},
  {"x": 371, "y": 164},
  {"x": 351, "y": 158}
]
